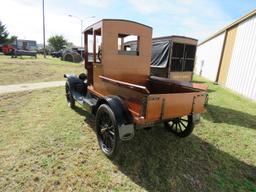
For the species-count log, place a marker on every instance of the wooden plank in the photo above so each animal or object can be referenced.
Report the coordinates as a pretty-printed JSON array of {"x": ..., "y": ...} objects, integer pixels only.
[
  {"x": 125, "y": 84},
  {"x": 188, "y": 85}
]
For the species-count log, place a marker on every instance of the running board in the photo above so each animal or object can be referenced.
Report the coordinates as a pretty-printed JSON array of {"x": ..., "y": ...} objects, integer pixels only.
[{"x": 88, "y": 102}]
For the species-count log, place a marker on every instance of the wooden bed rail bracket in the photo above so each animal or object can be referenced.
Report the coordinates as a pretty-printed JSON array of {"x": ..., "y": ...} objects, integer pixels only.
[
  {"x": 162, "y": 109},
  {"x": 193, "y": 103},
  {"x": 199, "y": 95},
  {"x": 144, "y": 108},
  {"x": 140, "y": 88}
]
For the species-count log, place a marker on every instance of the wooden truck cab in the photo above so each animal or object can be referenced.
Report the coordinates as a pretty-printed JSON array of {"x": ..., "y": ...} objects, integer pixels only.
[{"x": 116, "y": 62}]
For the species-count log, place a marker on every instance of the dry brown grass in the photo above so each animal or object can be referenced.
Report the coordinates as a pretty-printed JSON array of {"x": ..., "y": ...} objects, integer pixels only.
[{"x": 27, "y": 70}]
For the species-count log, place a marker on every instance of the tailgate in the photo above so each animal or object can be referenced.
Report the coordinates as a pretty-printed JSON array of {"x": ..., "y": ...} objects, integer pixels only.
[{"x": 167, "y": 106}]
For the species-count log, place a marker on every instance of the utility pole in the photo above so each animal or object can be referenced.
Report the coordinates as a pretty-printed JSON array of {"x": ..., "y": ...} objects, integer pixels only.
[
  {"x": 81, "y": 32},
  {"x": 44, "y": 31}
]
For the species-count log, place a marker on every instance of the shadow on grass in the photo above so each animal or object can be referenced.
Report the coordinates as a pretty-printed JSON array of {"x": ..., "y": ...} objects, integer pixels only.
[
  {"x": 218, "y": 114},
  {"x": 89, "y": 118},
  {"x": 156, "y": 160},
  {"x": 23, "y": 57},
  {"x": 80, "y": 111},
  {"x": 210, "y": 90},
  {"x": 196, "y": 81}
]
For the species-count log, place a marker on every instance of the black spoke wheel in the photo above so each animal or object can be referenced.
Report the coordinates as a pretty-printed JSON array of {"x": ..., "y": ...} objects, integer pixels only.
[
  {"x": 107, "y": 131},
  {"x": 181, "y": 126},
  {"x": 70, "y": 99}
]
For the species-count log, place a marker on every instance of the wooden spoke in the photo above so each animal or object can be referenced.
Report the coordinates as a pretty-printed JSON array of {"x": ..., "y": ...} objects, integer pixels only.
[
  {"x": 111, "y": 132},
  {"x": 183, "y": 124},
  {"x": 179, "y": 127},
  {"x": 104, "y": 138}
]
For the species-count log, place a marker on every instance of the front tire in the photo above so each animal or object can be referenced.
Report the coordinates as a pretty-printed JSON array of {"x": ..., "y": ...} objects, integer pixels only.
[
  {"x": 70, "y": 99},
  {"x": 107, "y": 131},
  {"x": 181, "y": 126}
]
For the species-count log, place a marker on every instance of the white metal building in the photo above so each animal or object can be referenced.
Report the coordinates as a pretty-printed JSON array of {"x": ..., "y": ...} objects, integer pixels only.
[{"x": 229, "y": 56}]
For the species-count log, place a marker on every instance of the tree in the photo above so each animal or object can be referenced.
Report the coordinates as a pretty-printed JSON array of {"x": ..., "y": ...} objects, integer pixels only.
[
  {"x": 70, "y": 45},
  {"x": 57, "y": 42},
  {"x": 4, "y": 35}
]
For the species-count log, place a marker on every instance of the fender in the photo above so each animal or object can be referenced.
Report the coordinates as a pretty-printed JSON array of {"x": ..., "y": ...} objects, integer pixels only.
[
  {"x": 75, "y": 83},
  {"x": 72, "y": 80},
  {"x": 123, "y": 116}
]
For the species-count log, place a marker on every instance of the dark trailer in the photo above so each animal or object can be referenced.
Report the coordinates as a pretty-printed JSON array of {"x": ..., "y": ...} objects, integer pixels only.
[{"x": 173, "y": 57}]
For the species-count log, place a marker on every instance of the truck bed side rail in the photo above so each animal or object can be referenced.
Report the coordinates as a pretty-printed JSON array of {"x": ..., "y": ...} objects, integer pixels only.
[{"x": 140, "y": 88}]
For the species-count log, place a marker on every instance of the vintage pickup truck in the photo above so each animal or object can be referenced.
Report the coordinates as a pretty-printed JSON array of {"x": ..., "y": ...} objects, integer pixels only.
[{"x": 120, "y": 92}]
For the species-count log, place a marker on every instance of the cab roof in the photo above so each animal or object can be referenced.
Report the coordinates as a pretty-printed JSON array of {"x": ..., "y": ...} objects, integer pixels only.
[{"x": 115, "y": 20}]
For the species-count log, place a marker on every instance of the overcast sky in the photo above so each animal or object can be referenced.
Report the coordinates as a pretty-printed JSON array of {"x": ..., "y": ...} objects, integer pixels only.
[{"x": 193, "y": 18}]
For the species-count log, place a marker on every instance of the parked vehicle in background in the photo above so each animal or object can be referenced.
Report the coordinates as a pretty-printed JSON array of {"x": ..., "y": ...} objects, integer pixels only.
[
  {"x": 173, "y": 57},
  {"x": 19, "y": 52},
  {"x": 8, "y": 49},
  {"x": 74, "y": 55},
  {"x": 24, "y": 47},
  {"x": 71, "y": 56},
  {"x": 80, "y": 51},
  {"x": 57, "y": 54},
  {"x": 29, "y": 45}
]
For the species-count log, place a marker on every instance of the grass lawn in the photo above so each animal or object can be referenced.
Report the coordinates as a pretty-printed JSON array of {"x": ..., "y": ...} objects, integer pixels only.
[
  {"x": 27, "y": 69},
  {"x": 45, "y": 146}
]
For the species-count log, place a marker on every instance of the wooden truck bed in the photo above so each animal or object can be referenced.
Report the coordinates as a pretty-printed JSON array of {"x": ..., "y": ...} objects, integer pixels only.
[
  {"x": 160, "y": 99},
  {"x": 170, "y": 99},
  {"x": 171, "y": 105}
]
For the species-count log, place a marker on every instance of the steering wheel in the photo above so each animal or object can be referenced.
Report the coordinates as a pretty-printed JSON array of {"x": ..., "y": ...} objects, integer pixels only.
[{"x": 99, "y": 54}]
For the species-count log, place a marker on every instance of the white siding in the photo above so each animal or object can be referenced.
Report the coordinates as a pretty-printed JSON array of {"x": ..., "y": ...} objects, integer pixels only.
[
  {"x": 242, "y": 70},
  {"x": 209, "y": 54}
]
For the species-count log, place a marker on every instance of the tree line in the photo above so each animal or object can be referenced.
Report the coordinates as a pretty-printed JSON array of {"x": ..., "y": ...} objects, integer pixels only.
[{"x": 55, "y": 42}]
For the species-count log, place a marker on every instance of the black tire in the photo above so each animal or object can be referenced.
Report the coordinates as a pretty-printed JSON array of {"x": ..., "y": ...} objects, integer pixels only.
[
  {"x": 107, "y": 131},
  {"x": 70, "y": 99},
  {"x": 181, "y": 126}
]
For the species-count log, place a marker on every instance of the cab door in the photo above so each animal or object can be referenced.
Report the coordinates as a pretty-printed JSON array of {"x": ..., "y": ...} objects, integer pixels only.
[{"x": 93, "y": 55}]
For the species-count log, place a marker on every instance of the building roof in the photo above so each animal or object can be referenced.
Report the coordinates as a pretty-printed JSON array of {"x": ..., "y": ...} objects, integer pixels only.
[{"x": 245, "y": 17}]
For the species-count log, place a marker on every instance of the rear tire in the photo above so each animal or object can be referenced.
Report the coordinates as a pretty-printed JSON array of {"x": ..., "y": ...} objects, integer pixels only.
[
  {"x": 181, "y": 126},
  {"x": 107, "y": 131},
  {"x": 70, "y": 99}
]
